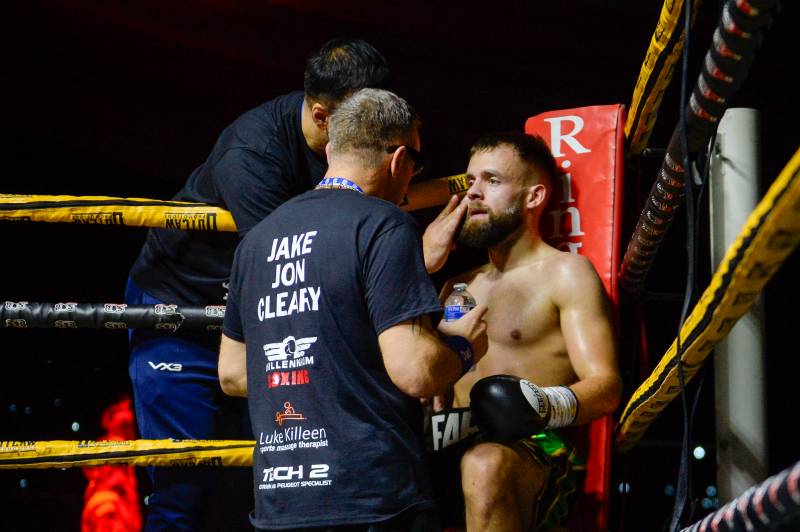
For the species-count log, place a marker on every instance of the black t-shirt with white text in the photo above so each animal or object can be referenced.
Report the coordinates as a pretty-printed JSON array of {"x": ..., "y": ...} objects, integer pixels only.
[
  {"x": 259, "y": 161},
  {"x": 311, "y": 289}
]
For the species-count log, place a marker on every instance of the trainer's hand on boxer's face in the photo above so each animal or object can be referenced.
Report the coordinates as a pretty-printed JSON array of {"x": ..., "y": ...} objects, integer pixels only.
[
  {"x": 439, "y": 237},
  {"x": 472, "y": 327}
]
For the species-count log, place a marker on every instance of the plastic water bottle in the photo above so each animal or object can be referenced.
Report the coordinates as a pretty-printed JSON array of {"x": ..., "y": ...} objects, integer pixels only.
[{"x": 458, "y": 303}]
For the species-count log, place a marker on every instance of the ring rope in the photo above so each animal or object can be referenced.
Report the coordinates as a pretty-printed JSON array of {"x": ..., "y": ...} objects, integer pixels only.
[
  {"x": 108, "y": 210},
  {"x": 766, "y": 506},
  {"x": 63, "y": 453},
  {"x": 112, "y": 316},
  {"x": 186, "y": 216},
  {"x": 665, "y": 49},
  {"x": 771, "y": 233},
  {"x": 738, "y": 35}
]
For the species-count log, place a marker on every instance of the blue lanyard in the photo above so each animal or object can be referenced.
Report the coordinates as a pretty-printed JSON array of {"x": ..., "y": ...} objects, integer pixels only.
[{"x": 339, "y": 182}]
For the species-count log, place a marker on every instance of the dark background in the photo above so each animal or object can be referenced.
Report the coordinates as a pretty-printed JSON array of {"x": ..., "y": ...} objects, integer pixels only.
[{"x": 126, "y": 98}]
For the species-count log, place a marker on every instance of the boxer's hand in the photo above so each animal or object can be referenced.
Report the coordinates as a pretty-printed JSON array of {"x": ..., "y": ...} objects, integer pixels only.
[
  {"x": 439, "y": 237},
  {"x": 507, "y": 409},
  {"x": 472, "y": 327}
]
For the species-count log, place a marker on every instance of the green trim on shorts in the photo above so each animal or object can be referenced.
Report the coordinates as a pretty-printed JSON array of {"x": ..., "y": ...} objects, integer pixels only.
[{"x": 561, "y": 460}]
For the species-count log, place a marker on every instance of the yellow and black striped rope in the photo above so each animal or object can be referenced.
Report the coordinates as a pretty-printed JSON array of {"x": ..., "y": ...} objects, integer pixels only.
[
  {"x": 60, "y": 453},
  {"x": 665, "y": 49},
  {"x": 771, "y": 233},
  {"x": 143, "y": 212},
  {"x": 107, "y": 210}
]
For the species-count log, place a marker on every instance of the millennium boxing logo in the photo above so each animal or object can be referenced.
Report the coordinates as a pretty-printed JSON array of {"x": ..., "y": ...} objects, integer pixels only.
[
  {"x": 290, "y": 346},
  {"x": 287, "y": 378},
  {"x": 283, "y": 359}
]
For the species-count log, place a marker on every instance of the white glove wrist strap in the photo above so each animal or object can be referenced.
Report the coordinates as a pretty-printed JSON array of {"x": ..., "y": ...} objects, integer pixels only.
[{"x": 563, "y": 406}]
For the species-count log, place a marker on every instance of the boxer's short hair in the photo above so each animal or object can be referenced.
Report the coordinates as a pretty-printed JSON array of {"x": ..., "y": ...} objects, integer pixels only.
[{"x": 531, "y": 149}]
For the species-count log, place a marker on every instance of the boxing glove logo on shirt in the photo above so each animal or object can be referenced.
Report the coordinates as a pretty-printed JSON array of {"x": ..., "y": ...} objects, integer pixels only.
[{"x": 289, "y": 346}]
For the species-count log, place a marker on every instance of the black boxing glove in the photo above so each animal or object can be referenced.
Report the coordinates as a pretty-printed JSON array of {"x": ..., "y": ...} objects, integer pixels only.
[{"x": 507, "y": 408}]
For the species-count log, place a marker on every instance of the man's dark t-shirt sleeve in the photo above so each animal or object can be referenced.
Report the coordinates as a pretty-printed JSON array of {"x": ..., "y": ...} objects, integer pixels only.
[
  {"x": 396, "y": 283},
  {"x": 251, "y": 185},
  {"x": 232, "y": 325}
]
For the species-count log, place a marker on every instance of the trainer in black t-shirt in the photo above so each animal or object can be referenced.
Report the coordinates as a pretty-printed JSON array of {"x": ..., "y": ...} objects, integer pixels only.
[
  {"x": 259, "y": 161},
  {"x": 312, "y": 287}
]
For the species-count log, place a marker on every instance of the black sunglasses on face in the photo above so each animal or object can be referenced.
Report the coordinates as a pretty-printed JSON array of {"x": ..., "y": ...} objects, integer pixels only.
[{"x": 416, "y": 157}]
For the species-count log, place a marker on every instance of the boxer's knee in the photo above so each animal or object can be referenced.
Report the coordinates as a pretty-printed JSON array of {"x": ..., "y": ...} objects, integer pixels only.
[{"x": 487, "y": 471}]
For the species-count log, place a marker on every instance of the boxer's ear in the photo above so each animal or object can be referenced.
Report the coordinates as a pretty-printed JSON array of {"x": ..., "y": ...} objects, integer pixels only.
[{"x": 536, "y": 196}]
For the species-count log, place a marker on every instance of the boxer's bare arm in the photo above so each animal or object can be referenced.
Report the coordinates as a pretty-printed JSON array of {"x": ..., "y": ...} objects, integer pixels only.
[{"x": 588, "y": 331}]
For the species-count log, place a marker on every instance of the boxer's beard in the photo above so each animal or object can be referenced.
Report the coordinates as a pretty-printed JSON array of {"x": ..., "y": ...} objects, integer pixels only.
[{"x": 483, "y": 234}]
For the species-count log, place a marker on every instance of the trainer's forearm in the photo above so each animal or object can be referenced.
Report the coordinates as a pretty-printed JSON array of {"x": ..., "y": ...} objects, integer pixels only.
[
  {"x": 432, "y": 193},
  {"x": 232, "y": 367},
  {"x": 236, "y": 387},
  {"x": 441, "y": 368},
  {"x": 418, "y": 362}
]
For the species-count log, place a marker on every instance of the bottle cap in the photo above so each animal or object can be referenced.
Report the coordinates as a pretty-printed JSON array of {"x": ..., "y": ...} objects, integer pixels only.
[{"x": 460, "y": 286}]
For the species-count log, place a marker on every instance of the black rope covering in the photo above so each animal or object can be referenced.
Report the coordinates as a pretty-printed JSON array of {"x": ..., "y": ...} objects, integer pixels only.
[
  {"x": 110, "y": 316},
  {"x": 725, "y": 67}
]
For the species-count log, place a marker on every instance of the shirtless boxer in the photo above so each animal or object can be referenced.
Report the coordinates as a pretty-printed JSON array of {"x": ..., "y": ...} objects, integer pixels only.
[{"x": 548, "y": 323}]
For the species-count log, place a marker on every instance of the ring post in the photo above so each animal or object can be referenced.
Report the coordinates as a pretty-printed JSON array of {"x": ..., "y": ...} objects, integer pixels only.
[{"x": 739, "y": 361}]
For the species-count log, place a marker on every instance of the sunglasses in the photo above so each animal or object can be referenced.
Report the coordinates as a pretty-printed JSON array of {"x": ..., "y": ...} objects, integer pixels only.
[{"x": 416, "y": 157}]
